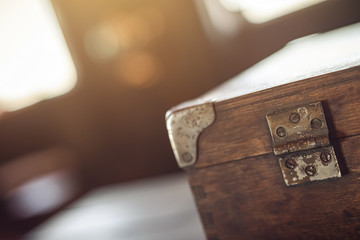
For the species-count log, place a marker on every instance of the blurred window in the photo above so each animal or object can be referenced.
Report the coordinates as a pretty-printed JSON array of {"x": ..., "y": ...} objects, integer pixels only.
[
  {"x": 259, "y": 11},
  {"x": 35, "y": 63}
]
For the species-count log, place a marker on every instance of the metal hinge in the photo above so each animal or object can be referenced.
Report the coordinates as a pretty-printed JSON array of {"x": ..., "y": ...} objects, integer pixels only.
[{"x": 301, "y": 144}]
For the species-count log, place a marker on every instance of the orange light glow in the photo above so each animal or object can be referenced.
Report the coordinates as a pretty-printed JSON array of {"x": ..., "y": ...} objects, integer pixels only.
[
  {"x": 139, "y": 69},
  {"x": 119, "y": 33}
]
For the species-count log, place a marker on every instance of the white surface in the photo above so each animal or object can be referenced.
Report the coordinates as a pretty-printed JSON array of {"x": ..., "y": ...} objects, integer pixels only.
[
  {"x": 153, "y": 209},
  {"x": 261, "y": 11},
  {"x": 42, "y": 194},
  {"x": 306, "y": 57}
]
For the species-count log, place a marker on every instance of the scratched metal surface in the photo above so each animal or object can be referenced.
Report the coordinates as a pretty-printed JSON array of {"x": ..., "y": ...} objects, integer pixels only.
[
  {"x": 184, "y": 128},
  {"x": 310, "y": 166},
  {"x": 161, "y": 208}
]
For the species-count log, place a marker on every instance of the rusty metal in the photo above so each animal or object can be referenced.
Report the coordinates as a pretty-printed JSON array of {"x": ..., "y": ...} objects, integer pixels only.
[
  {"x": 316, "y": 123},
  {"x": 325, "y": 157},
  {"x": 294, "y": 117},
  {"x": 290, "y": 163},
  {"x": 281, "y": 132},
  {"x": 304, "y": 151},
  {"x": 310, "y": 170},
  {"x": 299, "y": 136},
  {"x": 309, "y": 167},
  {"x": 184, "y": 128}
]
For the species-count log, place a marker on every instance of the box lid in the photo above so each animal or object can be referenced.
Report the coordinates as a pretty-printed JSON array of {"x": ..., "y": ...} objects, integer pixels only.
[{"x": 230, "y": 122}]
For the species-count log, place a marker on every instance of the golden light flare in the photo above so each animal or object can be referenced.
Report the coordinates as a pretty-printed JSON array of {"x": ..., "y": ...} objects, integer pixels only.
[
  {"x": 122, "y": 32},
  {"x": 139, "y": 69}
]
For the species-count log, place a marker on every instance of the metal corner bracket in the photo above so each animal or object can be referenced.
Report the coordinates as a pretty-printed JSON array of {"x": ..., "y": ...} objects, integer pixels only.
[
  {"x": 184, "y": 128},
  {"x": 301, "y": 144}
]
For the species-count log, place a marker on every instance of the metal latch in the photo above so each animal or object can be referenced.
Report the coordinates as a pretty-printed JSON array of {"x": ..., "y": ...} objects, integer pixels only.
[{"x": 301, "y": 144}]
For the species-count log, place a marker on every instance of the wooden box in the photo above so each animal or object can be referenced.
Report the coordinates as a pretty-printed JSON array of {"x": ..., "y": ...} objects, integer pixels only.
[{"x": 274, "y": 153}]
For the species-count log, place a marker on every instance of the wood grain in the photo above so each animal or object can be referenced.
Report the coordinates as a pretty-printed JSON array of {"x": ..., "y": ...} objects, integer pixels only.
[
  {"x": 247, "y": 199},
  {"x": 240, "y": 130},
  {"x": 237, "y": 182}
]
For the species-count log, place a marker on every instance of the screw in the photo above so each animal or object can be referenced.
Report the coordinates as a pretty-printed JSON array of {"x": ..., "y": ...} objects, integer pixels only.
[
  {"x": 294, "y": 117},
  {"x": 325, "y": 157},
  {"x": 316, "y": 123},
  {"x": 281, "y": 132},
  {"x": 310, "y": 170},
  {"x": 187, "y": 157},
  {"x": 290, "y": 163}
]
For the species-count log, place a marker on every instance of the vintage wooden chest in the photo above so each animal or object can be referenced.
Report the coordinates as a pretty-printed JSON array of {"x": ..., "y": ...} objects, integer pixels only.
[{"x": 274, "y": 153}]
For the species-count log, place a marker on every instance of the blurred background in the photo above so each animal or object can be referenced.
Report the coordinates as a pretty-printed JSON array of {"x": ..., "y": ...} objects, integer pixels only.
[{"x": 84, "y": 87}]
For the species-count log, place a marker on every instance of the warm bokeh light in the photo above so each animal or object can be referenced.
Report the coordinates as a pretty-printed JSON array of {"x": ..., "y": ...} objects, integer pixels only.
[
  {"x": 259, "y": 11},
  {"x": 35, "y": 63},
  {"x": 119, "y": 33},
  {"x": 139, "y": 69},
  {"x": 101, "y": 42},
  {"x": 67, "y": 163}
]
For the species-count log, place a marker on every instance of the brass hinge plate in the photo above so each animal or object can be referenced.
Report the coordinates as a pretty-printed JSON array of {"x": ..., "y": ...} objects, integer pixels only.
[{"x": 301, "y": 144}]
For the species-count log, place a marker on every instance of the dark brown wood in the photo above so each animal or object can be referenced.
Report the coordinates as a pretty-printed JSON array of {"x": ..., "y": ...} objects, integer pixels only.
[
  {"x": 237, "y": 182},
  {"x": 240, "y": 130},
  {"x": 247, "y": 199}
]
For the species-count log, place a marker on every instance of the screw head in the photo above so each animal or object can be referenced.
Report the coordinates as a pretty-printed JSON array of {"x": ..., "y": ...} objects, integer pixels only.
[
  {"x": 325, "y": 157},
  {"x": 187, "y": 157},
  {"x": 281, "y": 132},
  {"x": 294, "y": 117},
  {"x": 290, "y": 163},
  {"x": 316, "y": 123},
  {"x": 310, "y": 170}
]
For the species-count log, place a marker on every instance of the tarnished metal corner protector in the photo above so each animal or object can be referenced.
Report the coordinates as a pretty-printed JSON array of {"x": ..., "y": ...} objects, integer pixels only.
[
  {"x": 301, "y": 144},
  {"x": 184, "y": 128}
]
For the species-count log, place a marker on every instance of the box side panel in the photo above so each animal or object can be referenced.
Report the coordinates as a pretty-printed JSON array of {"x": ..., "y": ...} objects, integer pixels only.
[
  {"x": 249, "y": 200},
  {"x": 240, "y": 130}
]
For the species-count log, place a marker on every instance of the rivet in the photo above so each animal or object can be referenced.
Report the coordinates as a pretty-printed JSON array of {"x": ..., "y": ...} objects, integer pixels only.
[
  {"x": 325, "y": 157},
  {"x": 290, "y": 163},
  {"x": 281, "y": 132},
  {"x": 294, "y": 117},
  {"x": 316, "y": 123},
  {"x": 310, "y": 170},
  {"x": 187, "y": 157}
]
